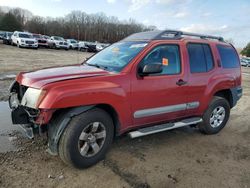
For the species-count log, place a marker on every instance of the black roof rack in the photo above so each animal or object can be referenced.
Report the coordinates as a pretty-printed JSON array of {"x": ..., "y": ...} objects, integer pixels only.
[{"x": 168, "y": 34}]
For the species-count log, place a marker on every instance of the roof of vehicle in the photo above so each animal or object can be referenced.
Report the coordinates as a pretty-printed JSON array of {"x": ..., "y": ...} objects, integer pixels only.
[
  {"x": 21, "y": 32},
  {"x": 170, "y": 35}
]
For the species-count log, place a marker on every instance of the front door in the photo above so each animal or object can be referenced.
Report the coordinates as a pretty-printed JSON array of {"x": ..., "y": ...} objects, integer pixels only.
[{"x": 162, "y": 96}]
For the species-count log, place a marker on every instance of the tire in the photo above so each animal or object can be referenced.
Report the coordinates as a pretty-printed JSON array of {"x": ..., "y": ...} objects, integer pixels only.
[
  {"x": 70, "y": 143},
  {"x": 216, "y": 116}
]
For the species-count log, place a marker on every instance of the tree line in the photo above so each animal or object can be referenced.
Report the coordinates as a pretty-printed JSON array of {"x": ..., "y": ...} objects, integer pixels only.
[{"x": 77, "y": 25}]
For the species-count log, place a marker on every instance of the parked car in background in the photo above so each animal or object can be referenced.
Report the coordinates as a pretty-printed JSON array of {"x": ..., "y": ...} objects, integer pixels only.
[
  {"x": 101, "y": 46},
  {"x": 24, "y": 39},
  {"x": 46, "y": 37},
  {"x": 42, "y": 42},
  {"x": 82, "y": 46},
  {"x": 245, "y": 62},
  {"x": 73, "y": 44},
  {"x": 7, "y": 37},
  {"x": 91, "y": 46},
  {"x": 1, "y": 34},
  {"x": 58, "y": 43}
]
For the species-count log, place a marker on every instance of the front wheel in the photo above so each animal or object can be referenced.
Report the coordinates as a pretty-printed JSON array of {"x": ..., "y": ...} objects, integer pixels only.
[
  {"x": 87, "y": 138},
  {"x": 216, "y": 116}
]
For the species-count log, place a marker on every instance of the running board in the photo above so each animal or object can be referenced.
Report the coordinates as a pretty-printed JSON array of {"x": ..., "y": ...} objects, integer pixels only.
[{"x": 164, "y": 127}]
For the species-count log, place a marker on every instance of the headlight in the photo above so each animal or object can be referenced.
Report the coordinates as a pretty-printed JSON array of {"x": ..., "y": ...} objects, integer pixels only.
[
  {"x": 13, "y": 101},
  {"x": 22, "y": 40},
  {"x": 33, "y": 97}
]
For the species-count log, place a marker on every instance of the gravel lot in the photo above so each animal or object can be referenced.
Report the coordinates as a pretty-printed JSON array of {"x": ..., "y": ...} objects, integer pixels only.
[{"x": 178, "y": 158}]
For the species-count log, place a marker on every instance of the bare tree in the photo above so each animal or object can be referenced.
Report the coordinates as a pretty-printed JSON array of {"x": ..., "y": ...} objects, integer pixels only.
[{"x": 89, "y": 27}]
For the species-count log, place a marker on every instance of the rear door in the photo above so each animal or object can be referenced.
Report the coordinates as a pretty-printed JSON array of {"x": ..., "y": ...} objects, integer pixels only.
[
  {"x": 158, "y": 97},
  {"x": 201, "y": 70}
]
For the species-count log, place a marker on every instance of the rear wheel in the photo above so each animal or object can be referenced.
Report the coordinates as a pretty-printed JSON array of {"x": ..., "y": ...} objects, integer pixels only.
[
  {"x": 86, "y": 139},
  {"x": 216, "y": 116}
]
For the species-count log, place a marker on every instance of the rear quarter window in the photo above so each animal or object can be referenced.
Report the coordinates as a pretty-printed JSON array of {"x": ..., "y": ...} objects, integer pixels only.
[{"x": 229, "y": 57}]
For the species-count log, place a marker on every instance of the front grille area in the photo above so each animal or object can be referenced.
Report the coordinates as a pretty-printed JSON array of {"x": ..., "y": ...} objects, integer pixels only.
[
  {"x": 65, "y": 43},
  {"x": 29, "y": 42},
  {"x": 42, "y": 41},
  {"x": 61, "y": 43}
]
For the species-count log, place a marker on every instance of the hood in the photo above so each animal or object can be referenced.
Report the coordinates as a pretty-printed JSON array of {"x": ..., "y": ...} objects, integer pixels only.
[{"x": 39, "y": 78}]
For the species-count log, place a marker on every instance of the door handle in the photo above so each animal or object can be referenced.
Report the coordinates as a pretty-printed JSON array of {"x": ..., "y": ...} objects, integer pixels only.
[{"x": 181, "y": 82}]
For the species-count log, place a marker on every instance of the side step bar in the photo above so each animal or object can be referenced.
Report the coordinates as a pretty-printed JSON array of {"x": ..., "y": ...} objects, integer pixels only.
[{"x": 164, "y": 127}]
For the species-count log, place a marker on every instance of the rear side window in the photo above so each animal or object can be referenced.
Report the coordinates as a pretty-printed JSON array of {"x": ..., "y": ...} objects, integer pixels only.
[
  {"x": 200, "y": 58},
  {"x": 229, "y": 57}
]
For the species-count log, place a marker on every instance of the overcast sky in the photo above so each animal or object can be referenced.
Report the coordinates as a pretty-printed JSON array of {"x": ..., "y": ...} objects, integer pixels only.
[{"x": 228, "y": 18}]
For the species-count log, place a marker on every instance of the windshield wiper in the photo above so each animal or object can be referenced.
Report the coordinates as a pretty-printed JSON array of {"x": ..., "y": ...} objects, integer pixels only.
[{"x": 98, "y": 66}]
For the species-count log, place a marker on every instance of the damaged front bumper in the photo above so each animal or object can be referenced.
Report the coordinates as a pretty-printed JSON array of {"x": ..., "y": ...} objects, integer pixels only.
[
  {"x": 30, "y": 120},
  {"x": 20, "y": 117}
]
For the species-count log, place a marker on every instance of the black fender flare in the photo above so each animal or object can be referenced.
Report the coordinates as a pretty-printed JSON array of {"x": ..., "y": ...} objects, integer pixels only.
[{"x": 58, "y": 125}]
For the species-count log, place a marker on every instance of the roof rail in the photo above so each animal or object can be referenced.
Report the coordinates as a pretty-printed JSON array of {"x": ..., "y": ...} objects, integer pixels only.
[{"x": 175, "y": 34}]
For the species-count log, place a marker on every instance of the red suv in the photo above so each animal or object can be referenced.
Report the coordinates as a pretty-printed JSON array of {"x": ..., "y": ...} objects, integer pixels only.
[{"x": 147, "y": 83}]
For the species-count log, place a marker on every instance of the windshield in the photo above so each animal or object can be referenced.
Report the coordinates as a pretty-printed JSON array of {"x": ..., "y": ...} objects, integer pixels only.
[
  {"x": 58, "y": 38},
  {"x": 37, "y": 36},
  {"x": 117, "y": 56},
  {"x": 73, "y": 41},
  {"x": 23, "y": 35}
]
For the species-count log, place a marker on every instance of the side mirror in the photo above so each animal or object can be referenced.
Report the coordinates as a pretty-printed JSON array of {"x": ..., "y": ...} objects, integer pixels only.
[{"x": 152, "y": 68}]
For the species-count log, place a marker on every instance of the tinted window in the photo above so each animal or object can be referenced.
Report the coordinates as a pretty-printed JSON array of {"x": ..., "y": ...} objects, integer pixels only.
[
  {"x": 23, "y": 35},
  {"x": 200, "y": 58},
  {"x": 228, "y": 56},
  {"x": 209, "y": 57},
  {"x": 168, "y": 55}
]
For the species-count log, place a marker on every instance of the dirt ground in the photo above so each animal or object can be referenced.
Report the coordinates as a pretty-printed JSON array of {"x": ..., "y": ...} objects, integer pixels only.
[{"x": 178, "y": 158}]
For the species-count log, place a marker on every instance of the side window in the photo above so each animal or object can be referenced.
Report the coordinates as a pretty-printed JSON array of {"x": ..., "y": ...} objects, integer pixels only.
[
  {"x": 228, "y": 56},
  {"x": 209, "y": 57},
  {"x": 200, "y": 58},
  {"x": 168, "y": 55}
]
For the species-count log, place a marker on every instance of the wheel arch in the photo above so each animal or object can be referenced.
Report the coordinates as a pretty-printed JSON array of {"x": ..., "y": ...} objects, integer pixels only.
[
  {"x": 61, "y": 118},
  {"x": 226, "y": 94},
  {"x": 113, "y": 114}
]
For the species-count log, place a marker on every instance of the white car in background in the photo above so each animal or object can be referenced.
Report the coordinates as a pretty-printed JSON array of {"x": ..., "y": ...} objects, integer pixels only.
[
  {"x": 245, "y": 62},
  {"x": 101, "y": 46},
  {"x": 73, "y": 44},
  {"x": 58, "y": 43},
  {"x": 82, "y": 46},
  {"x": 24, "y": 39}
]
